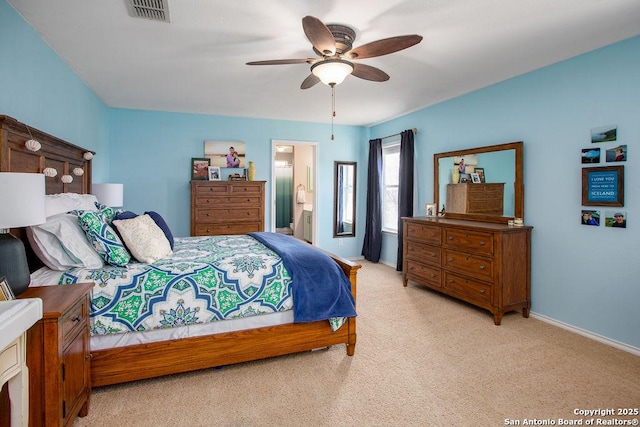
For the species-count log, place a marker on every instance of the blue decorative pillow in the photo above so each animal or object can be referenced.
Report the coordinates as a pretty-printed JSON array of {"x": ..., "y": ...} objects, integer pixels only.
[
  {"x": 103, "y": 238},
  {"x": 125, "y": 215},
  {"x": 160, "y": 222}
]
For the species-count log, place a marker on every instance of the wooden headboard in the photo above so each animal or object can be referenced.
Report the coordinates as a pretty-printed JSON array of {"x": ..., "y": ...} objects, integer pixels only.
[{"x": 54, "y": 153}]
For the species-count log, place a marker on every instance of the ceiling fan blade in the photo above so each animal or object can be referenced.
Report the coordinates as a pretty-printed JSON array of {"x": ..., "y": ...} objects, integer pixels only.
[
  {"x": 319, "y": 35},
  {"x": 384, "y": 46},
  {"x": 282, "y": 61},
  {"x": 368, "y": 72},
  {"x": 310, "y": 81}
]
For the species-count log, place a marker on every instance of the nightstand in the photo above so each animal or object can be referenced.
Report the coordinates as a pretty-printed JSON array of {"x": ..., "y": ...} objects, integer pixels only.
[{"x": 58, "y": 355}]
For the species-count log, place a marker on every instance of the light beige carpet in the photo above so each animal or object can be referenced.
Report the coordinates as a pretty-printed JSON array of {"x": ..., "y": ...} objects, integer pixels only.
[{"x": 422, "y": 359}]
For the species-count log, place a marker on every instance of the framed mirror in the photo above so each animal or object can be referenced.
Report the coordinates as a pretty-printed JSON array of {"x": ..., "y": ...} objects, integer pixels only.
[
  {"x": 344, "y": 204},
  {"x": 481, "y": 183}
]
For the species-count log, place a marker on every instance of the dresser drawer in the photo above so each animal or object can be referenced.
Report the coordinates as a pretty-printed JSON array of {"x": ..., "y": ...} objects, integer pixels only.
[
  {"x": 424, "y": 232},
  {"x": 227, "y": 214},
  {"x": 476, "y": 266},
  {"x": 221, "y": 202},
  {"x": 467, "y": 287},
  {"x": 214, "y": 189},
  {"x": 221, "y": 229},
  {"x": 474, "y": 241},
  {"x": 424, "y": 253},
  {"x": 73, "y": 320},
  {"x": 424, "y": 272}
]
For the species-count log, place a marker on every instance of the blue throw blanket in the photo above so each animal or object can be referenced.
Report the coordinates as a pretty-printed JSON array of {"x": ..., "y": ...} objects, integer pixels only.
[{"x": 320, "y": 288}]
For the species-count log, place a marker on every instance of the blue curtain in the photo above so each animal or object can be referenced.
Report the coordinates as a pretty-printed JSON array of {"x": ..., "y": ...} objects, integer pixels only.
[
  {"x": 284, "y": 196},
  {"x": 405, "y": 186},
  {"x": 372, "y": 245}
]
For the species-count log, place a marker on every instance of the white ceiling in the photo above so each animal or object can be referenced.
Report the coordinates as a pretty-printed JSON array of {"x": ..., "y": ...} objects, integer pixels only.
[{"x": 196, "y": 63}]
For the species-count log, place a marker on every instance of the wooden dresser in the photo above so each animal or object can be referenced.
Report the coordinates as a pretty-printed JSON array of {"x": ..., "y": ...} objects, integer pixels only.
[
  {"x": 226, "y": 207},
  {"x": 58, "y": 355},
  {"x": 485, "y": 264},
  {"x": 475, "y": 198}
]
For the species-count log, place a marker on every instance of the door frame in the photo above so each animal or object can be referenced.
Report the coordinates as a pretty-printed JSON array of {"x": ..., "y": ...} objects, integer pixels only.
[{"x": 314, "y": 175}]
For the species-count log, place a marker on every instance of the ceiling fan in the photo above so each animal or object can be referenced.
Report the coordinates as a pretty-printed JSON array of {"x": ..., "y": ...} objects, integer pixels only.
[{"x": 333, "y": 44}]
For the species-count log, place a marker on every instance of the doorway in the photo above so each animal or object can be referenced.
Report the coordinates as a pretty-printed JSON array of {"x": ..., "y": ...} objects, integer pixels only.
[{"x": 294, "y": 165}]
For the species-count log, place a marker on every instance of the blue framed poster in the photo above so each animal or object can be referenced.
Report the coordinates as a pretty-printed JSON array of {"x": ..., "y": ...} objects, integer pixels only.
[{"x": 603, "y": 186}]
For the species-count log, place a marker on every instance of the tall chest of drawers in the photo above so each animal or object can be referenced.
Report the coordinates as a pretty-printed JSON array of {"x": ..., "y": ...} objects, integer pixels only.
[
  {"x": 226, "y": 207},
  {"x": 485, "y": 264}
]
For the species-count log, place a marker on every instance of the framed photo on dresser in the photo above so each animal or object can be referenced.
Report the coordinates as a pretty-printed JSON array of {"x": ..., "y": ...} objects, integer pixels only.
[{"x": 5, "y": 291}]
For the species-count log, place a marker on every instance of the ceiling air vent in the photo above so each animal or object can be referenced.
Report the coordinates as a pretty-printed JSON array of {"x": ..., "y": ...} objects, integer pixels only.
[{"x": 156, "y": 10}]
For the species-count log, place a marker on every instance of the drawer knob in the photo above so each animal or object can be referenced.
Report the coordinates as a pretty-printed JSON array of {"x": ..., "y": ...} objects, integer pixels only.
[
  {"x": 481, "y": 243},
  {"x": 76, "y": 318},
  {"x": 450, "y": 238},
  {"x": 450, "y": 260},
  {"x": 482, "y": 291},
  {"x": 482, "y": 267},
  {"x": 433, "y": 275},
  {"x": 450, "y": 280}
]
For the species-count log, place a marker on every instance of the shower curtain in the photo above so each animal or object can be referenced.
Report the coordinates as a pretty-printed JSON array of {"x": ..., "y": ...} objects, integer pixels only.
[{"x": 284, "y": 196}]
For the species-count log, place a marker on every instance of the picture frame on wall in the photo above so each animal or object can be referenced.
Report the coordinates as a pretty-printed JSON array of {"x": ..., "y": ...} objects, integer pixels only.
[
  {"x": 6, "y": 294},
  {"x": 200, "y": 168},
  {"x": 214, "y": 173},
  {"x": 603, "y": 186}
]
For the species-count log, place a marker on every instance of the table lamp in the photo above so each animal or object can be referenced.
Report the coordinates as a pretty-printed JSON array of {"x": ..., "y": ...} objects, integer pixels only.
[
  {"x": 22, "y": 197},
  {"x": 109, "y": 194}
]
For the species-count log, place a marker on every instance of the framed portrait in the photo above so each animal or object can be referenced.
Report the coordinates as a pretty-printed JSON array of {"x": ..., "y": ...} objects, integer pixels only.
[
  {"x": 225, "y": 154},
  {"x": 615, "y": 219},
  {"x": 475, "y": 178},
  {"x": 430, "y": 209},
  {"x": 589, "y": 217},
  {"x": 199, "y": 168},
  {"x": 214, "y": 173},
  {"x": 617, "y": 154},
  {"x": 603, "y": 186},
  {"x": 480, "y": 172},
  {"x": 6, "y": 294}
]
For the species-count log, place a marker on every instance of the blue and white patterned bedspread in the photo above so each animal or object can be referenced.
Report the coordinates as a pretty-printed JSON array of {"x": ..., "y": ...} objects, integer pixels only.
[{"x": 207, "y": 279}]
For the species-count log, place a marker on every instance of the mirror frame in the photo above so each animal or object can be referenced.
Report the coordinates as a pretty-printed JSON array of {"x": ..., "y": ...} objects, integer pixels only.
[
  {"x": 518, "y": 184},
  {"x": 337, "y": 164}
]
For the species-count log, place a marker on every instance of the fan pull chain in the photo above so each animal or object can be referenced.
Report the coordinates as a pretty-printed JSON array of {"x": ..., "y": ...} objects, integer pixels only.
[{"x": 333, "y": 106}]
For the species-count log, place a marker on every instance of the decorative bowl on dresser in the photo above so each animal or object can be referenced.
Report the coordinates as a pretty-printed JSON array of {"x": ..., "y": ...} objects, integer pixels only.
[{"x": 226, "y": 207}]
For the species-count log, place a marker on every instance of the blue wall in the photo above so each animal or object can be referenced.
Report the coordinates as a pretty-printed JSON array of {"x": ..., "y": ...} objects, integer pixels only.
[
  {"x": 39, "y": 89},
  {"x": 151, "y": 154},
  {"x": 588, "y": 277},
  {"x": 584, "y": 276}
]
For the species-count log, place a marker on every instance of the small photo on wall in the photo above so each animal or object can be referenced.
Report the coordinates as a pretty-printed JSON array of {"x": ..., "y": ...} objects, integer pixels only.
[
  {"x": 604, "y": 134},
  {"x": 616, "y": 219},
  {"x": 590, "y": 218},
  {"x": 590, "y": 155},
  {"x": 617, "y": 154}
]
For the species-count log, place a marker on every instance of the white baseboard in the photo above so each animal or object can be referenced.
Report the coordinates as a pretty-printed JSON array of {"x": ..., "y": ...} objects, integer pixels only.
[{"x": 613, "y": 343}]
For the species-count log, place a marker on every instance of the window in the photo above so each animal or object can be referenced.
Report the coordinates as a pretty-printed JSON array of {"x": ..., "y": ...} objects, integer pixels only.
[{"x": 390, "y": 179}]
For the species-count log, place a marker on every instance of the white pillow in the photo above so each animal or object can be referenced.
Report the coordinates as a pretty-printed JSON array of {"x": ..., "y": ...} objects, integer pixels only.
[
  {"x": 143, "y": 238},
  {"x": 67, "y": 202},
  {"x": 60, "y": 243}
]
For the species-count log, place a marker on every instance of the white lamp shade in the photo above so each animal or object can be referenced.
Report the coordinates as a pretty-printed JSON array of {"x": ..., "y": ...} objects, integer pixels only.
[
  {"x": 22, "y": 198},
  {"x": 332, "y": 71},
  {"x": 109, "y": 194}
]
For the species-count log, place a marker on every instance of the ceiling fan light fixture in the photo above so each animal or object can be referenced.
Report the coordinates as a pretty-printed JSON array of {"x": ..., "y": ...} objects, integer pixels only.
[{"x": 332, "y": 71}]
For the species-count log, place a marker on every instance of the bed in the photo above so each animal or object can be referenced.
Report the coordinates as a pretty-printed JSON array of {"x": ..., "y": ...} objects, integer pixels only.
[{"x": 140, "y": 347}]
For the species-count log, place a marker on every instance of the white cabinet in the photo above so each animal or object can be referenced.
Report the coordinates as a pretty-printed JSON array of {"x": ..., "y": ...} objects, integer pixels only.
[{"x": 307, "y": 216}]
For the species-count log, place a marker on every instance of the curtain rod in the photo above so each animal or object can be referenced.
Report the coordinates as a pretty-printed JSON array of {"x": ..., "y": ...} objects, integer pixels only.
[{"x": 415, "y": 130}]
